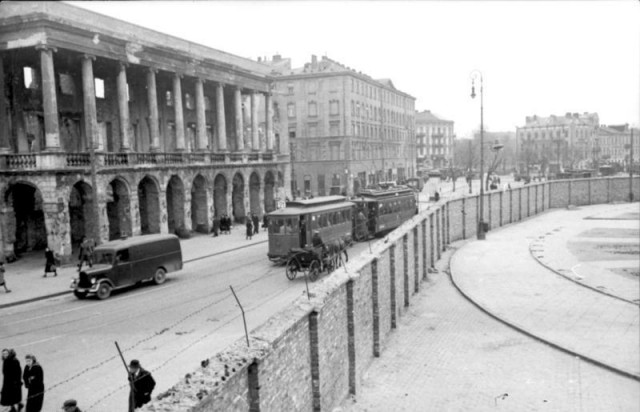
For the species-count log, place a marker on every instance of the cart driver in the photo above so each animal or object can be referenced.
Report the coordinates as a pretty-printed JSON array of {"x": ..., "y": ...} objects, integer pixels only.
[{"x": 317, "y": 244}]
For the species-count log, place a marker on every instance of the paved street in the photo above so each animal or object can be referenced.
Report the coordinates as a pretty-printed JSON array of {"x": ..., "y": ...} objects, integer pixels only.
[
  {"x": 169, "y": 328},
  {"x": 447, "y": 355}
]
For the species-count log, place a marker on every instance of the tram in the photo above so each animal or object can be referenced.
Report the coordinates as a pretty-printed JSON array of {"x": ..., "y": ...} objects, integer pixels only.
[
  {"x": 292, "y": 227},
  {"x": 384, "y": 210}
]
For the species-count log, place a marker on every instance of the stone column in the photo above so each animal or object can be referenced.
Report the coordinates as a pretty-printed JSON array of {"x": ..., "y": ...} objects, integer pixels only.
[
  {"x": 153, "y": 110},
  {"x": 200, "y": 116},
  {"x": 220, "y": 120},
  {"x": 89, "y": 99},
  {"x": 4, "y": 120},
  {"x": 178, "y": 112},
  {"x": 134, "y": 206},
  {"x": 239, "y": 121},
  {"x": 255, "y": 138},
  {"x": 49, "y": 99},
  {"x": 269, "y": 121},
  {"x": 56, "y": 220},
  {"x": 123, "y": 109}
]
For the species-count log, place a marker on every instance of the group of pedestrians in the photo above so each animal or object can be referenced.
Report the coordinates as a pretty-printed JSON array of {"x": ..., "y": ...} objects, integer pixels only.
[
  {"x": 253, "y": 225},
  {"x": 12, "y": 379},
  {"x": 221, "y": 225}
]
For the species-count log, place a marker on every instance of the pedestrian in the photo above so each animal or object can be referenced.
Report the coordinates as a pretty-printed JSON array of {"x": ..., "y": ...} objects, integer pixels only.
[
  {"x": 265, "y": 222},
  {"x": 249, "y": 229},
  {"x": 11, "y": 394},
  {"x": 215, "y": 226},
  {"x": 86, "y": 252},
  {"x": 436, "y": 196},
  {"x": 49, "y": 263},
  {"x": 70, "y": 405},
  {"x": 2, "y": 281},
  {"x": 256, "y": 223},
  {"x": 143, "y": 384},
  {"x": 33, "y": 378}
]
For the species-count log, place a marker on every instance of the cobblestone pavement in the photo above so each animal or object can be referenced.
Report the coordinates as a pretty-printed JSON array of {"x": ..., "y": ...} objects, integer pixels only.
[
  {"x": 447, "y": 355},
  {"x": 500, "y": 275}
]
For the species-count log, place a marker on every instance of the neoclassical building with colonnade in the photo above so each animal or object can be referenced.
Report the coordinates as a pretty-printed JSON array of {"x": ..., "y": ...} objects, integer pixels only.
[{"x": 180, "y": 132}]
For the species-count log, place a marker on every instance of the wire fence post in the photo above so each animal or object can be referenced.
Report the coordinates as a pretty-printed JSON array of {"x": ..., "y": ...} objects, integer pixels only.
[
  {"x": 244, "y": 320},
  {"x": 129, "y": 377}
]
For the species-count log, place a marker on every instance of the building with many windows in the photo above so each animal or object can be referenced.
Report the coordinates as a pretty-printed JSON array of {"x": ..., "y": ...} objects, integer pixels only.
[
  {"x": 345, "y": 129},
  {"x": 173, "y": 126},
  {"x": 435, "y": 141},
  {"x": 613, "y": 144},
  {"x": 556, "y": 142}
]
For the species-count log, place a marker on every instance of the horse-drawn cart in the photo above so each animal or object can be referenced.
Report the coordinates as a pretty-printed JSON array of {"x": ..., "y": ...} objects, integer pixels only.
[{"x": 312, "y": 261}]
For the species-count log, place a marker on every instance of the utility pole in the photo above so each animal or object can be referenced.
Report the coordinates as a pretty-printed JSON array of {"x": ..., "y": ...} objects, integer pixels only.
[
  {"x": 631, "y": 166},
  {"x": 480, "y": 231}
]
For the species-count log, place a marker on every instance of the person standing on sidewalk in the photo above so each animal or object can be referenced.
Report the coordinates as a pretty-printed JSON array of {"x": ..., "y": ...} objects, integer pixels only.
[
  {"x": 11, "y": 394},
  {"x": 249, "y": 228},
  {"x": 143, "y": 384},
  {"x": 2, "y": 281},
  {"x": 86, "y": 252},
  {"x": 215, "y": 226},
  {"x": 33, "y": 378},
  {"x": 49, "y": 263},
  {"x": 256, "y": 223}
]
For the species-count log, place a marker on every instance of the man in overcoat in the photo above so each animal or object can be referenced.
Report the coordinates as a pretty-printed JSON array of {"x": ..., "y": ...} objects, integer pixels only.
[{"x": 142, "y": 385}]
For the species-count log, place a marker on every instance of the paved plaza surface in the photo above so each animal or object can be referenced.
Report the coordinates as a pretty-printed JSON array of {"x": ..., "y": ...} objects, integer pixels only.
[{"x": 448, "y": 355}]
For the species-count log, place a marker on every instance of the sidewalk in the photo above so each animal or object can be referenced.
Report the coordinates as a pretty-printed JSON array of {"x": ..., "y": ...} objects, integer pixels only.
[
  {"x": 24, "y": 276},
  {"x": 502, "y": 276}
]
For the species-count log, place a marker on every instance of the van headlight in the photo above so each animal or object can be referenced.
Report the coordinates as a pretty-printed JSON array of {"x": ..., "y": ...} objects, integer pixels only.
[{"x": 93, "y": 281}]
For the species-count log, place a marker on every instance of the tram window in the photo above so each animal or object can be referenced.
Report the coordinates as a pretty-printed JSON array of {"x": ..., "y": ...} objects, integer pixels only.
[
  {"x": 277, "y": 226},
  {"x": 314, "y": 222},
  {"x": 323, "y": 220}
]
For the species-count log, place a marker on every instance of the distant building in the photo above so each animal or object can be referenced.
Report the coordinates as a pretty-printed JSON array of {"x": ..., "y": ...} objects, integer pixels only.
[
  {"x": 345, "y": 130},
  {"x": 556, "y": 142},
  {"x": 498, "y": 146},
  {"x": 612, "y": 144},
  {"x": 435, "y": 140}
]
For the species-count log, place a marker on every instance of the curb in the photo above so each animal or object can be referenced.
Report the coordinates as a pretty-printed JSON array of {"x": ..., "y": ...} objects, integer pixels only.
[
  {"x": 53, "y": 295},
  {"x": 524, "y": 331}
]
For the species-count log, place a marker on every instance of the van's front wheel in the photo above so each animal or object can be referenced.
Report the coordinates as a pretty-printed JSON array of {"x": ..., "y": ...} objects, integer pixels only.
[
  {"x": 104, "y": 291},
  {"x": 160, "y": 276}
]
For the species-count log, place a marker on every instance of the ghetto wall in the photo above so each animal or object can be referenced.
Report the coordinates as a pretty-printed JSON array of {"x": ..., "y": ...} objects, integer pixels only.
[{"x": 312, "y": 355}]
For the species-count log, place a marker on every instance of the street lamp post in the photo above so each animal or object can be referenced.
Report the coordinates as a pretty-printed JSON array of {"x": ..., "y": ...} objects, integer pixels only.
[
  {"x": 474, "y": 76},
  {"x": 631, "y": 166}
]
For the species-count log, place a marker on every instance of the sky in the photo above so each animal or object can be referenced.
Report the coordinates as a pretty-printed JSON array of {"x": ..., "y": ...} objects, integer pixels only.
[{"x": 535, "y": 57}]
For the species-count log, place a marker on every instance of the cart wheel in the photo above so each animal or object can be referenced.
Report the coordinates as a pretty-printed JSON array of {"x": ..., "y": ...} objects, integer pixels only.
[
  {"x": 314, "y": 270},
  {"x": 292, "y": 269}
]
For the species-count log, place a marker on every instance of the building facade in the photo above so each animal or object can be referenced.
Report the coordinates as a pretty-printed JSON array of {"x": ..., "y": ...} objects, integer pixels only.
[
  {"x": 613, "y": 144},
  {"x": 435, "y": 141},
  {"x": 345, "y": 130},
  {"x": 556, "y": 142},
  {"x": 173, "y": 143}
]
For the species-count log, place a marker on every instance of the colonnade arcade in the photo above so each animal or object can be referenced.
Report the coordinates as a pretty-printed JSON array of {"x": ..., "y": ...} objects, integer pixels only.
[
  {"x": 39, "y": 211},
  {"x": 60, "y": 100}
]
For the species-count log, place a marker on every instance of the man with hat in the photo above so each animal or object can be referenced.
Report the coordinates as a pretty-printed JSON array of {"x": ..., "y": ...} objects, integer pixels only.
[
  {"x": 70, "y": 405},
  {"x": 142, "y": 384}
]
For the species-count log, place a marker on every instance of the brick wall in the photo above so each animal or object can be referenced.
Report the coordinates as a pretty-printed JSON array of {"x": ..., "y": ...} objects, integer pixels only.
[{"x": 313, "y": 354}]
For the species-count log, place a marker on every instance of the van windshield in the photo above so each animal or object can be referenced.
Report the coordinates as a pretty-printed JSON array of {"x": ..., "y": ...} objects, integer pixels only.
[{"x": 103, "y": 256}]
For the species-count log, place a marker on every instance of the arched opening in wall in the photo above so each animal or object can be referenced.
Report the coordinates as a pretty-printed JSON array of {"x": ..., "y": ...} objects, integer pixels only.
[
  {"x": 118, "y": 209},
  {"x": 81, "y": 219},
  {"x": 25, "y": 226},
  {"x": 254, "y": 193},
  {"x": 269, "y": 193},
  {"x": 199, "y": 217},
  {"x": 219, "y": 195},
  {"x": 175, "y": 204},
  {"x": 149, "y": 203},
  {"x": 237, "y": 198}
]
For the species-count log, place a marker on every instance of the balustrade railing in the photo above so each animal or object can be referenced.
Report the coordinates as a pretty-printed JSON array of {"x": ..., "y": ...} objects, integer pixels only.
[
  {"x": 78, "y": 159},
  {"x": 57, "y": 160}
]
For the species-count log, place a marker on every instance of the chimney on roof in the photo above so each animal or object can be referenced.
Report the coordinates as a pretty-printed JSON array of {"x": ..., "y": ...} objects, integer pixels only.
[
  {"x": 567, "y": 115},
  {"x": 314, "y": 62},
  {"x": 277, "y": 57},
  {"x": 259, "y": 59}
]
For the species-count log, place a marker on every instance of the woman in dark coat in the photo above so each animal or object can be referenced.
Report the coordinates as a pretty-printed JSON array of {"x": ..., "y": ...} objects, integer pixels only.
[
  {"x": 249, "y": 228},
  {"x": 50, "y": 263},
  {"x": 11, "y": 394},
  {"x": 34, "y": 381}
]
